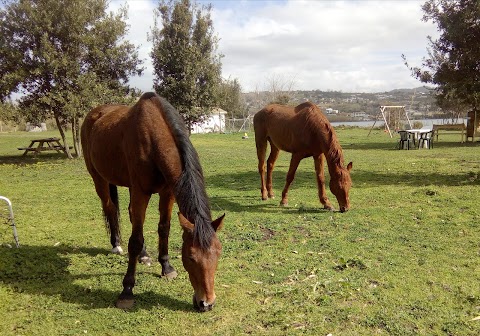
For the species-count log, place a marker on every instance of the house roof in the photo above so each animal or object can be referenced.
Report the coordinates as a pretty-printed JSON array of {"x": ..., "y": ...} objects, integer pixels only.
[{"x": 218, "y": 110}]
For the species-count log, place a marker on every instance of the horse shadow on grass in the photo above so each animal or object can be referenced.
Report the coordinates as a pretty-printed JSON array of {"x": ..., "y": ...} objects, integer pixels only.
[
  {"x": 250, "y": 180},
  {"x": 244, "y": 192},
  {"x": 44, "y": 270},
  {"x": 244, "y": 186},
  {"x": 20, "y": 160},
  {"x": 255, "y": 204}
]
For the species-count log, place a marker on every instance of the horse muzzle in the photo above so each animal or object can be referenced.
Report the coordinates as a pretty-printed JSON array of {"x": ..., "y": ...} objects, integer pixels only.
[{"x": 202, "y": 306}]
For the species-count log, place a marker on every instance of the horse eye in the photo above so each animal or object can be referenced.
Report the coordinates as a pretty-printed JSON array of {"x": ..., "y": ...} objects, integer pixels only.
[{"x": 191, "y": 258}]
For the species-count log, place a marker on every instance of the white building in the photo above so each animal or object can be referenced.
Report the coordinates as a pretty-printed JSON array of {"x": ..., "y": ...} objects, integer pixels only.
[
  {"x": 331, "y": 111},
  {"x": 215, "y": 123},
  {"x": 359, "y": 115}
]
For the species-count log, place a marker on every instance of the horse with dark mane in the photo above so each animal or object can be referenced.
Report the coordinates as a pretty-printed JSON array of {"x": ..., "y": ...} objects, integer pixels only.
[
  {"x": 305, "y": 132},
  {"x": 146, "y": 148}
]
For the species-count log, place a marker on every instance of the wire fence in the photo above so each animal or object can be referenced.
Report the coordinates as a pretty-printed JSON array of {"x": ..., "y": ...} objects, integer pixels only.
[{"x": 235, "y": 125}]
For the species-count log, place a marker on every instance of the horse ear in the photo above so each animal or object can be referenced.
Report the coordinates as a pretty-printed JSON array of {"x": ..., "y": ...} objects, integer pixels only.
[
  {"x": 350, "y": 166},
  {"x": 185, "y": 223},
  {"x": 218, "y": 223}
]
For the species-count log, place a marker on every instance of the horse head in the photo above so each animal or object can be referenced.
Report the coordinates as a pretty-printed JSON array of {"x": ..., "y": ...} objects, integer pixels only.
[
  {"x": 201, "y": 263},
  {"x": 340, "y": 184}
]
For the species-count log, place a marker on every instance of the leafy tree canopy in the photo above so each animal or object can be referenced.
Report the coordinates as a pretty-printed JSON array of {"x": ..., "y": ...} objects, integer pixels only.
[
  {"x": 64, "y": 57},
  {"x": 230, "y": 98},
  {"x": 453, "y": 63},
  {"x": 186, "y": 65}
]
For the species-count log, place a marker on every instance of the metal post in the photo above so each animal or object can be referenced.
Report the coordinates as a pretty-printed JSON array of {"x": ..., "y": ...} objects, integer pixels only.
[{"x": 11, "y": 219}]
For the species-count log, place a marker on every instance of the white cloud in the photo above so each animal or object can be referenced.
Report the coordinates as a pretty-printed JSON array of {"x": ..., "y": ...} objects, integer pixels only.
[
  {"x": 325, "y": 45},
  {"x": 140, "y": 21}
]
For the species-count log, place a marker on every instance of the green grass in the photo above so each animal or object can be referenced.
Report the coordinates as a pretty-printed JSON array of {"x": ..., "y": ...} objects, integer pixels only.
[{"x": 405, "y": 260}]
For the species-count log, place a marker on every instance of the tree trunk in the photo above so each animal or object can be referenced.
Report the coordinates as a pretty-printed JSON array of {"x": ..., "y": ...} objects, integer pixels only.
[
  {"x": 76, "y": 136},
  {"x": 62, "y": 134}
]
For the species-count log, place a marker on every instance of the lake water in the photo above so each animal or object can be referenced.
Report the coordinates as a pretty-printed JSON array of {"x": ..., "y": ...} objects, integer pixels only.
[{"x": 427, "y": 123}]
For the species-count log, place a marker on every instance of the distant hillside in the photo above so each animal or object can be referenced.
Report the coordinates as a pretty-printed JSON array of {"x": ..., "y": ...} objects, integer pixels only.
[
  {"x": 418, "y": 101},
  {"x": 418, "y": 90}
]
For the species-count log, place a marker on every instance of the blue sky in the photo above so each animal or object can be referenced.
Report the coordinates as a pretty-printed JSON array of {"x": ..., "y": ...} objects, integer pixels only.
[{"x": 349, "y": 46}]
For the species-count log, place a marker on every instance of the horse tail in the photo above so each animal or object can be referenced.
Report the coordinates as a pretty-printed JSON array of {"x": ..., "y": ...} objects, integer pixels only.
[{"x": 189, "y": 190}]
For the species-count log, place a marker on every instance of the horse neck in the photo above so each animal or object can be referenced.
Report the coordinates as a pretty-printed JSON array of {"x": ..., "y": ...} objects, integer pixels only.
[
  {"x": 334, "y": 165},
  {"x": 333, "y": 154},
  {"x": 326, "y": 137}
]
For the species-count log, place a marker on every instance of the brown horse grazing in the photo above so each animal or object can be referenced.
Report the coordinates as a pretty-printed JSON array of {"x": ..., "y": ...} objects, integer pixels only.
[
  {"x": 303, "y": 131},
  {"x": 146, "y": 148}
]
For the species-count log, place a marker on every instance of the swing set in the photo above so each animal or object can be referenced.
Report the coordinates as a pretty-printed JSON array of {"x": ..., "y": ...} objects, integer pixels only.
[{"x": 393, "y": 116}]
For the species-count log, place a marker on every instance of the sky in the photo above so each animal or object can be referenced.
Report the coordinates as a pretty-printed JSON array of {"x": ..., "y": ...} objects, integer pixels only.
[{"x": 327, "y": 45}]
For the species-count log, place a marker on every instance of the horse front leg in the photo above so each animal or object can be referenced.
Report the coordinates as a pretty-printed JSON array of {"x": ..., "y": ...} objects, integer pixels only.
[
  {"x": 274, "y": 151},
  {"x": 165, "y": 208},
  {"x": 294, "y": 162},
  {"x": 320, "y": 174},
  {"x": 137, "y": 208}
]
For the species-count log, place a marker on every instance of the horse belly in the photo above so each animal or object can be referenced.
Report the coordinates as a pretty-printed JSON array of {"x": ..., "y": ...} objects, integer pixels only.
[
  {"x": 287, "y": 141},
  {"x": 109, "y": 163},
  {"x": 105, "y": 152}
]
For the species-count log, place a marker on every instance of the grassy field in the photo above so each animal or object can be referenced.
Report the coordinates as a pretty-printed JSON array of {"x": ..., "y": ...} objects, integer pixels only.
[{"x": 405, "y": 260}]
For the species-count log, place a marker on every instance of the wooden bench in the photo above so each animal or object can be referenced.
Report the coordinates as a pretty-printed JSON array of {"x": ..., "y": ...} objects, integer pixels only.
[
  {"x": 43, "y": 149},
  {"x": 450, "y": 127}
]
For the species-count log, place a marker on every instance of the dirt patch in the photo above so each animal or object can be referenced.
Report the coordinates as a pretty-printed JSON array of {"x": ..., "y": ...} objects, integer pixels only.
[{"x": 267, "y": 233}]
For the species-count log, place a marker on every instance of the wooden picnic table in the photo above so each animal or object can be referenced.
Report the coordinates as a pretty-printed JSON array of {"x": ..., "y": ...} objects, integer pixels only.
[{"x": 46, "y": 144}]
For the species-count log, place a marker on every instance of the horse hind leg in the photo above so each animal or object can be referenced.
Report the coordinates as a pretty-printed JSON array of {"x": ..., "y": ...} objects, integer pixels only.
[
  {"x": 261, "y": 143},
  {"x": 272, "y": 158},
  {"x": 113, "y": 219},
  {"x": 109, "y": 197},
  {"x": 111, "y": 212},
  {"x": 165, "y": 208}
]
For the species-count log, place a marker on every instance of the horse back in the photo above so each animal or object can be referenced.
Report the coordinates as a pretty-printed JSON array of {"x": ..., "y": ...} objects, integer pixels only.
[
  {"x": 101, "y": 139},
  {"x": 295, "y": 129},
  {"x": 131, "y": 147},
  {"x": 279, "y": 125}
]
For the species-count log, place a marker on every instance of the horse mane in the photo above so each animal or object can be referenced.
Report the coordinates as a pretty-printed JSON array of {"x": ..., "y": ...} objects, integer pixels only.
[
  {"x": 319, "y": 125},
  {"x": 190, "y": 192}
]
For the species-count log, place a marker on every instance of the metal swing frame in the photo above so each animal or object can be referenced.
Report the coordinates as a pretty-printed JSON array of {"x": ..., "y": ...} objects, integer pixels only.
[{"x": 11, "y": 219}]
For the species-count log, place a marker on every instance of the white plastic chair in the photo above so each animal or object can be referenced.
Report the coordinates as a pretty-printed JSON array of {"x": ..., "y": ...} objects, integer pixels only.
[
  {"x": 426, "y": 140},
  {"x": 11, "y": 220}
]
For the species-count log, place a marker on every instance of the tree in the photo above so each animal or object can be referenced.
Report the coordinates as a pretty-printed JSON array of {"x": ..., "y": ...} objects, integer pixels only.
[
  {"x": 231, "y": 98},
  {"x": 64, "y": 57},
  {"x": 8, "y": 113},
  {"x": 186, "y": 65},
  {"x": 279, "y": 88},
  {"x": 453, "y": 63}
]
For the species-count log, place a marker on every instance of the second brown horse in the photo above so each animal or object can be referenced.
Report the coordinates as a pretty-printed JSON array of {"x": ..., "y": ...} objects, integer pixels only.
[{"x": 305, "y": 132}]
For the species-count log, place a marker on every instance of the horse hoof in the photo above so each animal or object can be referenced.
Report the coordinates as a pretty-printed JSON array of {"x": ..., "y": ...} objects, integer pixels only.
[
  {"x": 125, "y": 303},
  {"x": 145, "y": 260},
  {"x": 170, "y": 276},
  {"x": 283, "y": 204},
  {"x": 117, "y": 250}
]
